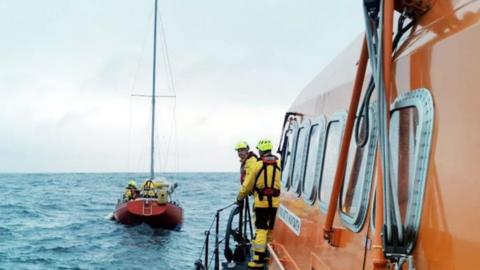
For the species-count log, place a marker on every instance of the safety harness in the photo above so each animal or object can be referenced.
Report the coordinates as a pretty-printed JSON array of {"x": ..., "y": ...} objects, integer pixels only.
[
  {"x": 147, "y": 187},
  {"x": 242, "y": 167},
  {"x": 269, "y": 191}
]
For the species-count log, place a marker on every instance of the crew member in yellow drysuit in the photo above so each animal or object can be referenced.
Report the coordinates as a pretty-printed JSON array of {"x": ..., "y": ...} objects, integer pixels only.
[
  {"x": 149, "y": 186},
  {"x": 264, "y": 181},
  {"x": 247, "y": 159},
  {"x": 131, "y": 191}
]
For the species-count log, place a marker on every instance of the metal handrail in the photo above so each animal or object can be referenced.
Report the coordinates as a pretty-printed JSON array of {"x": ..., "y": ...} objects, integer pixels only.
[{"x": 199, "y": 265}]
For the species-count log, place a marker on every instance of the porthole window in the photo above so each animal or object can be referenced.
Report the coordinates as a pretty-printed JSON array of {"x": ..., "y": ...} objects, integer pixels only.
[
  {"x": 403, "y": 142},
  {"x": 298, "y": 168},
  {"x": 288, "y": 154},
  {"x": 314, "y": 158},
  {"x": 333, "y": 139},
  {"x": 359, "y": 172},
  {"x": 411, "y": 126}
]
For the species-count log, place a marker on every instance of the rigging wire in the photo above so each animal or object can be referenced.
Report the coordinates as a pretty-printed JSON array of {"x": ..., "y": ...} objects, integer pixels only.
[
  {"x": 168, "y": 64},
  {"x": 142, "y": 51},
  {"x": 157, "y": 142},
  {"x": 129, "y": 148},
  {"x": 172, "y": 89},
  {"x": 146, "y": 149},
  {"x": 134, "y": 76}
]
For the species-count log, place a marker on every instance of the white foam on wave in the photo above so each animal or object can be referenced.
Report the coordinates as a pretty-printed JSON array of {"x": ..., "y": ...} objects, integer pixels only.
[{"x": 109, "y": 216}]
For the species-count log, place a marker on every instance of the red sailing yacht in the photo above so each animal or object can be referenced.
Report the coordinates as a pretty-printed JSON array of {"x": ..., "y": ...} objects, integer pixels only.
[
  {"x": 155, "y": 208},
  {"x": 153, "y": 204}
]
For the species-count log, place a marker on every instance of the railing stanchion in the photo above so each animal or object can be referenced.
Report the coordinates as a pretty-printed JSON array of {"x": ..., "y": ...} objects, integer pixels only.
[
  {"x": 207, "y": 238},
  {"x": 240, "y": 220},
  {"x": 205, "y": 248},
  {"x": 247, "y": 206},
  {"x": 217, "y": 245}
]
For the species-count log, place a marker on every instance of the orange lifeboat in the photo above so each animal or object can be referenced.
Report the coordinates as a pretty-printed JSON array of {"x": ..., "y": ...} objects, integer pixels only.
[{"x": 380, "y": 151}]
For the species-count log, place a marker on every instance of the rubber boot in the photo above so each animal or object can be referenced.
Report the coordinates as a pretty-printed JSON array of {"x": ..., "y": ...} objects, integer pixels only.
[
  {"x": 259, "y": 245},
  {"x": 269, "y": 240},
  {"x": 258, "y": 261}
]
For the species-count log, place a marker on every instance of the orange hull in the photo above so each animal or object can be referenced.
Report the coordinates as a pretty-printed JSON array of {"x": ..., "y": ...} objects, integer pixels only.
[{"x": 443, "y": 56}]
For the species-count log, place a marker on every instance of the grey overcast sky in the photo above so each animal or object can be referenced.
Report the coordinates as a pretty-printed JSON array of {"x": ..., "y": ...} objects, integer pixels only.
[{"x": 68, "y": 69}]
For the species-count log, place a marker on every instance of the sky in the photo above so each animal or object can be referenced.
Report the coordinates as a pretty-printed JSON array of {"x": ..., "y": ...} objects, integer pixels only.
[{"x": 68, "y": 70}]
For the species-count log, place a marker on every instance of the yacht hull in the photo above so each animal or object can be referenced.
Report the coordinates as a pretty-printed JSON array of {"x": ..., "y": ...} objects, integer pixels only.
[{"x": 149, "y": 211}]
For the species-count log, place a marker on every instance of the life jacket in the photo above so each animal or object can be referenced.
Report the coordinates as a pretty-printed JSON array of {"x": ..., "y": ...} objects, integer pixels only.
[
  {"x": 148, "y": 189},
  {"x": 243, "y": 172},
  {"x": 148, "y": 185},
  {"x": 267, "y": 191}
]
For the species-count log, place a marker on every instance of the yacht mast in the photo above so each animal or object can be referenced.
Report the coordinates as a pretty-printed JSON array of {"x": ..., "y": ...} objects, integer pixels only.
[{"x": 152, "y": 147}]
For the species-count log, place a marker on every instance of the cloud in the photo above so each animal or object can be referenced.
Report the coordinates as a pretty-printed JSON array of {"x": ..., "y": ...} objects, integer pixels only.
[{"x": 68, "y": 70}]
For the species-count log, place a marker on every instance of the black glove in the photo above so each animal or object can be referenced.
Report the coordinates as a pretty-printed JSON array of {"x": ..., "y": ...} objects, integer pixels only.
[{"x": 240, "y": 203}]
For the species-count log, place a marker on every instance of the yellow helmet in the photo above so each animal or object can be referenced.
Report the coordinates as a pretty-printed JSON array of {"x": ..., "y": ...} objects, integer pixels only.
[
  {"x": 132, "y": 183},
  {"x": 264, "y": 145},
  {"x": 241, "y": 145}
]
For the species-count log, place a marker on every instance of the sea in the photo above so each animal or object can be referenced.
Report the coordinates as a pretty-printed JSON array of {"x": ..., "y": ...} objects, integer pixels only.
[{"x": 61, "y": 221}]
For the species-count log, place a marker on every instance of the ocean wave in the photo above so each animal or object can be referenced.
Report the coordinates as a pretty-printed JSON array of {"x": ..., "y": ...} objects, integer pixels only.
[
  {"x": 5, "y": 232},
  {"x": 60, "y": 223}
]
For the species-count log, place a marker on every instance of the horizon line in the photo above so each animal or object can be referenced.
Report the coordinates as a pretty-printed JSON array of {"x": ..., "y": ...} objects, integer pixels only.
[{"x": 91, "y": 172}]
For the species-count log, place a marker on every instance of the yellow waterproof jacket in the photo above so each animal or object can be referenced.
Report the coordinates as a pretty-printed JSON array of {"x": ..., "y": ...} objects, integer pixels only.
[
  {"x": 255, "y": 181},
  {"x": 129, "y": 193},
  {"x": 247, "y": 166}
]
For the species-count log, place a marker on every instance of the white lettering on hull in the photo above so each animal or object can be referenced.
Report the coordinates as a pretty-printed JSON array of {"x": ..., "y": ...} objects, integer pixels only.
[{"x": 290, "y": 219}]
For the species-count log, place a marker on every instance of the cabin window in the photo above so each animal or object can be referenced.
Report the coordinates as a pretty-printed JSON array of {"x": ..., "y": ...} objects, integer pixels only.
[
  {"x": 403, "y": 129},
  {"x": 358, "y": 176},
  {"x": 288, "y": 154},
  {"x": 404, "y": 126},
  {"x": 411, "y": 126},
  {"x": 298, "y": 162},
  {"x": 314, "y": 153},
  {"x": 333, "y": 140}
]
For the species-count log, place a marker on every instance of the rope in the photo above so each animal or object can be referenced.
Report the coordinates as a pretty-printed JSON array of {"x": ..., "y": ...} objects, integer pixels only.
[
  {"x": 364, "y": 109},
  {"x": 374, "y": 33},
  {"x": 375, "y": 37}
]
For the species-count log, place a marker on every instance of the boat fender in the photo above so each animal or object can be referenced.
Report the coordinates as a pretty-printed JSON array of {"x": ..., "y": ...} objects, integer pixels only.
[{"x": 162, "y": 196}]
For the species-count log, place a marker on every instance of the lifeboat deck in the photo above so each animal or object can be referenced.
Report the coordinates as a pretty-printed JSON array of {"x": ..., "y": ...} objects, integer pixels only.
[{"x": 238, "y": 266}]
